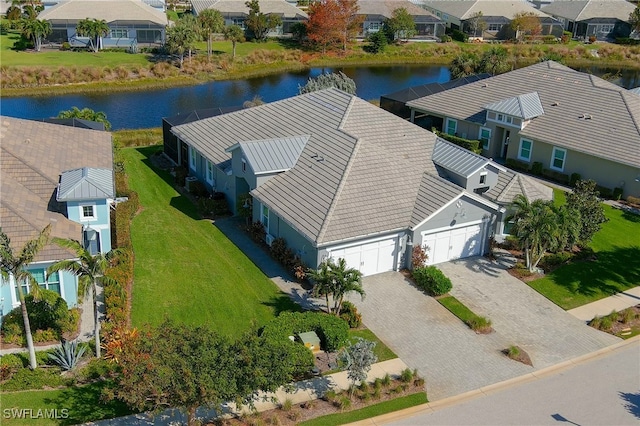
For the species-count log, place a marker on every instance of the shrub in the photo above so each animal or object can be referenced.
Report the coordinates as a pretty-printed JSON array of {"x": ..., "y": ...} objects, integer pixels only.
[
  {"x": 344, "y": 403},
  {"x": 286, "y": 405},
  {"x": 458, "y": 35},
  {"x": 575, "y": 177},
  {"x": 606, "y": 323},
  {"x": 592, "y": 39},
  {"x": 378, "y": 42},
  {"x": 549, "y": 39},
  {"x": 470, "y": 144},
  {"x": 628, "y": 315},
  {"x": 566, "y": 37},
  {"x": 278, "y": 249},
  {"x": 65, "y": 46},
  {"x": 517, "y": 164},
  {"x": 181, "y": 173},
  {"x": 617, "y": 193},
  {"x": 210, "y": 206},
  {"x": 556, "y": 259},
  {"x": 419, "y": 257},
  {"x": 364, "y": 387},
  {"x": 432, "y": 280},
  {"x": 513, "y": 352},
  {"x": 198, "y": 189},
  {"x": 604, "y": 192},
  {"x": 332, "y": 331},
  {"x": 406, "y": 375},
  {"x": 12, "y": 361},
  {"x": 349, "y": 313},
  {"x": 633, "y": 200},
  {"x": 480, "y": 324},
  {"x": 25, "y": 379},
  {"x": 596, "y": 322},
  {"x": 257, "y": 232},
  {"x": 386, "y": 380},
  {"x": 445, "y": 38},
  {"x": 556, "y": 176},
  {"x": 67, "y": 355},
  {"x": 330, "y": 395},
  {"x": 536, "y": 168}
]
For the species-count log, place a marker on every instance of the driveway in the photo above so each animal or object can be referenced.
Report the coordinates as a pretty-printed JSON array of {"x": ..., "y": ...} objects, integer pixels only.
[{"x": 451, "y": 357}]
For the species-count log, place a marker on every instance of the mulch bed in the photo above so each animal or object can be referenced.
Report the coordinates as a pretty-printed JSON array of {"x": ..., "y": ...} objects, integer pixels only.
[
  {"x": 620, "y": 328},
  {"x": 522, "y": 357}
]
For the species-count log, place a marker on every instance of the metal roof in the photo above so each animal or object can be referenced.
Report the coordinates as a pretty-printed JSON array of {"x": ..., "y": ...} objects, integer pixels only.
[
  {"x": 577, "y": 10},
  {"x": 465, "y": 9},
  {"x": 568, "y": 97},
  {"x": 636, "y": 90},
  {"x": 457, "y": 159},
  {"x": 272, "y": 155},
  {"x": 86, "y": 183},
  {"x": 385, "y": 9},
  {"x": 525, "y": 106},
  {"x": 239, "y": 8},
  {"x": 109, "y": 10}
]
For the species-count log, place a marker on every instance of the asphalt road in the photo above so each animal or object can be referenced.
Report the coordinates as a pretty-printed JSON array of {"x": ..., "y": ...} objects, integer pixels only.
[{"x": 600, "y": 391}]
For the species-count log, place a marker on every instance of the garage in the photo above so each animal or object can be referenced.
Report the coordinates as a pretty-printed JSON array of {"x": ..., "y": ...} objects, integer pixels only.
[
  {"x": 370, "y": 257},
  {"x": 451, "y": 244}
]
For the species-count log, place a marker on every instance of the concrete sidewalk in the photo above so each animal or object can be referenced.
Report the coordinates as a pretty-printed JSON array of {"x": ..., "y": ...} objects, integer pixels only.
[
  {"x": 303, "y": 391},
  {"x": 617, "y": 302}
]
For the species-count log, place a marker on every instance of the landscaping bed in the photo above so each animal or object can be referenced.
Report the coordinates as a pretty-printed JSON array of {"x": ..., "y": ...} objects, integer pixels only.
[{"x": 624, "y": 324}]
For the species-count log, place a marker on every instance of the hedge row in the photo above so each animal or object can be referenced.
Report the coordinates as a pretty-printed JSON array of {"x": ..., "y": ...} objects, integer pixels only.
[
  {"x": 470, "y": 144},
  {"x": 432, "y": 280},
  {"x": 332, "y": 331}
]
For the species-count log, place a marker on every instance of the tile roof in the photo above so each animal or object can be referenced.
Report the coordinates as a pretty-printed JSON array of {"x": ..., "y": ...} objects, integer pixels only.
[
  {"x": 578, "y": 108},
  {"x": 578, "y": 10},
  {"x": 272, "y": 155},
  {"x": 635, "y": 91},
  {"x": 429, "y": 201},
  {"x": 361, "y": 172},
  {"x": 525, "y": 106},
  {"x": 86, "y": 183},
  {"x": 511, "y": 184},
  {"x": 457, "y": 159},
  {"x": 385, "y": 9},
  {"x": 239, "y": 7},
  {"x": 465, "y": 9},
  {"x": 32, "y": 156},
  {"x": 109, "y": 10}
]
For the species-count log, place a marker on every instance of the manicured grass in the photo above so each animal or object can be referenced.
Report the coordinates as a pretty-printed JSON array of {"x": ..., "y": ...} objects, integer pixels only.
[
  {"x": 466, "y": 315},
  {"x": 185, "y": 268},
  {"x": 382, "y": 351},
  {"x": 371, "y": 411},
  {"x": 559, "y": 197},
  {"x": 616, "y": 266},
  {"x": 83, "y": 404}
]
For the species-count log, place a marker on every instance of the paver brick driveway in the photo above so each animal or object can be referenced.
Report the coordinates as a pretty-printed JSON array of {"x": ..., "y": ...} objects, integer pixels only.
[{"x": 451, "y": 357}]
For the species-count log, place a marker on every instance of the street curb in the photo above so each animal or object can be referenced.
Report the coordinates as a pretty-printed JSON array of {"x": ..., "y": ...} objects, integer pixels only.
[{"x": 430, "y": 407}]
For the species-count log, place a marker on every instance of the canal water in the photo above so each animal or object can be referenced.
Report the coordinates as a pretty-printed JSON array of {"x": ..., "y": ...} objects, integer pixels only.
[{"x": 144, "y": 109}]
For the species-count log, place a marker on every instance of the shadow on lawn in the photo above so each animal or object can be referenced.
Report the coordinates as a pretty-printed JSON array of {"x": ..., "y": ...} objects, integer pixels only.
[{"x": 613, "y": 271}]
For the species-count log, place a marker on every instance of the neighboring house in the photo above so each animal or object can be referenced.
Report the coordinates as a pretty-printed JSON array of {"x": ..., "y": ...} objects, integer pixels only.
[
  {"x": 496, "y": 14},
  {"x": 131, "y": 22},
  {"x": 376, "y": 12},
  {"x": 602, "y": 19},
  {"x": 235, "y": 12},
  {"x": 338, "y": 177},
  {"x": 568, "y": 121},
  {"x": 58, "y": 175}
]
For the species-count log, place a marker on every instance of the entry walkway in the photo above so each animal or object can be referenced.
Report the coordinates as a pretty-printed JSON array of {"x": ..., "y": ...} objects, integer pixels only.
[
  {"x": 303, "y": 391},
  {"x": 602, "y": 307}
]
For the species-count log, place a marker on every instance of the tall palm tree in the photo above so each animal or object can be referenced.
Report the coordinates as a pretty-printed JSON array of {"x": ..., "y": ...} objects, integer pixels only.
[
  {"x": 235, "y": 35},
  {"x": 323, "y": 282},
  {"x": 90, "y": 270},
  {"x": 36, "y": 30},
  {"x": 94, "y": 29},
  {"x": 337, "y": 280},
  {"x": 211, "y": 21},
  {"x": 464, "y": 65},
  {"x": 12, "y": 265}
]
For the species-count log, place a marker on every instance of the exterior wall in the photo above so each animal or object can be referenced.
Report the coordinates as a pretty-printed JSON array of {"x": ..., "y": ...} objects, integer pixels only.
[
  {"x": 221, "y": 181},
  {"x": 9, "y": 300},
  {"x": 237, "y": 167},
  {"x": 491, "y": 178},
  {"x": 101, "y": 221},
  {"x": 108, "y": 41}
]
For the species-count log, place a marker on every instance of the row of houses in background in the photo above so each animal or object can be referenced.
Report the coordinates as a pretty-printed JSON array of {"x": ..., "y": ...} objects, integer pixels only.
[{"x": 134, "y": 22}]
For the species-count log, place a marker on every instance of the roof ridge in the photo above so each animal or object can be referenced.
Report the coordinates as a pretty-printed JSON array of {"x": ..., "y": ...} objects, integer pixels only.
[
  {"x": 346, "y": 113},
  {"x": 29, "y": 166},
  {"x": 636, "y": 120},
  {"x": 18, "y": 214},
  {"x": 582, "y": 10}
]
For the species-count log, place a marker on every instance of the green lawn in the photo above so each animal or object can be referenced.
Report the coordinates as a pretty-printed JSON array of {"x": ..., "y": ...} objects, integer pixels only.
[
  {"x": 368, "y": 412},
  {"x": 616, "y": 266},
  {"x": 185, "y": 268},
  {"x": 82, "y": 403},
  {"x": 456, "y": 307},
  {"x": 382, "y": 351}
]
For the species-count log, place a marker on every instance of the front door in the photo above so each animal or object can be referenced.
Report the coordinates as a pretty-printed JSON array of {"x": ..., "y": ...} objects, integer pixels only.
[{"x": 505, "y": 143}]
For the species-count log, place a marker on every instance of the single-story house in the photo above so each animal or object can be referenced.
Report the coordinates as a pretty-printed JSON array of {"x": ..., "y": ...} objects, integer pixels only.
[
  {"x": 58, "y": 175},
  {"x": 565, "y": 120},
  {"x": 131, "y": 22},
  {"x": 602, "y": 19},
  {"x": 235, "y": 12},
  {"x": 338, "y": 177},
  {"x": 496, "y": 14},
  {"x": 376, "y": 12}
]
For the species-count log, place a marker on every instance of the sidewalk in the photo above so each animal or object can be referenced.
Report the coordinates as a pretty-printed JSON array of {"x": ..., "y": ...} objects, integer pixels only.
[
  {"x": 602, "y": 307},
  {"x": 306, "y": 390}
]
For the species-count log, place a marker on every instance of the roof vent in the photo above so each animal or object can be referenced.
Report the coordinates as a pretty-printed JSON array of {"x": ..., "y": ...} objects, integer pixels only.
[
  {"x": 485, "y": 84},
  {"x": 555, "y": 103},
  {"x": 585, "y": 116},
  {"x": 318, "y": 157}
]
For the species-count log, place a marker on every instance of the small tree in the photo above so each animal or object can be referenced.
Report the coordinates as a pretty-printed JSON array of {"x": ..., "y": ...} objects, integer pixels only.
[
  {"x": 94, "y": 29},
  {"x": 337, "y": 280},
  {"x": 234, "y": 34},
  {"x": 464, "y": 65},
  {"x": 401, "y": 24},
  {"x": 325, "y": 81},
  {"x": 36, "y": 30},
  {"x": 584, "y": 199},
  {"x": 378, "y": 42},
  {"x": 86, "y": 114},
  {"x": 349, "y": 21},
  {"x": 477, "y": 24},
  {"x": 526, "y": 23},
  {"x": 494, "y": 61},
  {"x": 357, "y": 359},
  {"x": 323, "y": 26},
  {"x": 634, "y": 19},
  {"x": 259, "y": 24},
  {"x": 182, "y": 37},
  {"x": 211, "y": 21}
]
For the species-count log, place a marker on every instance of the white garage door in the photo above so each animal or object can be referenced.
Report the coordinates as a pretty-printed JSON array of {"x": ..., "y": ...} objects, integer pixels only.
[
  {"x": 370, "y": 257},
  {"x": 453, "y": 244}
]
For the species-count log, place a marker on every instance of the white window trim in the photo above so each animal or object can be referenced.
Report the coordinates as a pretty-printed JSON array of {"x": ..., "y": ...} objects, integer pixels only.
[
  {"x": 488, "y": 140},
  {"x": 12, "y": 289},
  {"x": 455, "y": 122},
  {"x": 244, "y": 165},
  {"x": 553, "y": 157},
  {"x": 483, "y": 174},
  {"x": 192, "y": 158},
  {"x": 209, "y": 172},
  {"x": 84, "y": 218},
  {"x": 520, "y": 157}
]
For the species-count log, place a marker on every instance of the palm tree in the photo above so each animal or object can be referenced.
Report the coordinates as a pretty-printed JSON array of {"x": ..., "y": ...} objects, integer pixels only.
[
  {"x": 90, "y": 270},
  {"x": 337, "y": 280},
  {"x": 323, "y": 282},
  {"x": 495, "y": 60},
  {"x": 464, "y": 65},
  {"x": 12, "y": 265},
  {"x": 86, "y": 114},
  {"x": 211, "y": 21},
  {"x": 35, "y": 29},
  {"x": 182, "y": 36},
  {"x": 94, "y": 29},
  {"x": 234, "y": 34}
]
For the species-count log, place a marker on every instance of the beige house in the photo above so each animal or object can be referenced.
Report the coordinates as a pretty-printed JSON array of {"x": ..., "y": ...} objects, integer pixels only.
[{"x": 550, "y": 117}]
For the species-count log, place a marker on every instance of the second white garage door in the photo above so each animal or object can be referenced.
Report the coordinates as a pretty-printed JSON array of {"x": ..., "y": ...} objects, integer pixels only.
[
  {"x": 453, "y": 244},
  {"x": 369, "y": 257}
]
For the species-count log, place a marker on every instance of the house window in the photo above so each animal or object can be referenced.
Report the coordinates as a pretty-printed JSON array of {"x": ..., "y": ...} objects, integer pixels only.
[
  {"x": 192, "y": 158},
  {"x": 239, "y": 22},
  {"x": 524, "y": 153},
  {"x": 47, "y": 282},
  {"x": 375, "y": 26},
  {"x": 92, "y": 241},
  {"x": 483, "y": 178},
  {"x": 557, "y": 159},
  {"x": 87, "y": 212},
  {"x": 494, "y": 27},
  {"x": 119, "y": 33},
  {"x": 485, "y": 137},
  {"x": 452, "y": 126},
  {"x": 500, "y": 117},
  {"x": 209, "y": 173},
  {"x": 264, "y": 217},
  {"x": 508, "y": 119},
  {"x": 244, "y": 165}
]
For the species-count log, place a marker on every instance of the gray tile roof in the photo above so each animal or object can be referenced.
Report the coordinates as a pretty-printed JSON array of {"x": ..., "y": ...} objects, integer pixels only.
[
  {"x": 465, "y": 9},
  {"x": 385, "y": 9},
  {"x": 577, "y": 10},
  {"x": 567, "y": 96},
  {"x": 510, "y": 184},
  {"x": 429, "y": 200},
  {"x": 457, "y": 159},
  {"x": 239, "y": 8},
  {"x": 360, "y": 173},
  {"x": 272, "y": 155},
  {"x": 86, "y": 183},
  {"x": 525, "y": 106},
  {"x": 32, "y": 156},
  {"x": 109, "y": 10}
]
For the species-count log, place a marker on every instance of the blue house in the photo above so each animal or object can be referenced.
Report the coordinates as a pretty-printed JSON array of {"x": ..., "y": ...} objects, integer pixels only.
[{"x": 57, "y": 175}]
